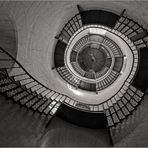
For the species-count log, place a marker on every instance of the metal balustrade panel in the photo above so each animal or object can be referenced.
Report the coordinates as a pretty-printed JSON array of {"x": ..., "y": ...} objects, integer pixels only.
[
  {"x": 141, "y": 80},
  {"x": 99, "y": 17},
  {"x": 59, "y": 54}
]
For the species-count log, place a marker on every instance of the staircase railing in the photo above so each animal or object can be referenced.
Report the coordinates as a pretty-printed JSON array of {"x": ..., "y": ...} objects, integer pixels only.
[{"x": 18, "y": 84}]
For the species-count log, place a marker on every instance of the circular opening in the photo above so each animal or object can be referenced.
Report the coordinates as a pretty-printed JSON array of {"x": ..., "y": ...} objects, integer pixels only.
[{"x": 92, "y": 59}]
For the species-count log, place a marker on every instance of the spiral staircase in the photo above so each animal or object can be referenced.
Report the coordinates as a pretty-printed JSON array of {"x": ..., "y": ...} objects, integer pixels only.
[{"x": 18, "y": 85}]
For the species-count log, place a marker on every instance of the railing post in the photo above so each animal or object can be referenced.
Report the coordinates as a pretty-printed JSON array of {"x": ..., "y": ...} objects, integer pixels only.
[
  {"x": 80, "y": 9},
  {"x": 122, "y": 13}
]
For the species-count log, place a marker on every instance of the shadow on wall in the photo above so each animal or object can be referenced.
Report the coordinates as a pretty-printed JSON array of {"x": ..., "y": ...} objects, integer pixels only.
[
  {"x": 8, "y": 38},
  {"x": 63, "y": 134},
  {"x": 19, "y": 127}
]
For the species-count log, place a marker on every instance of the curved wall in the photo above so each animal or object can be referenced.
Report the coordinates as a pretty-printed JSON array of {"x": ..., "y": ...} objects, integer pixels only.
[{"x": 8, "y": 37}]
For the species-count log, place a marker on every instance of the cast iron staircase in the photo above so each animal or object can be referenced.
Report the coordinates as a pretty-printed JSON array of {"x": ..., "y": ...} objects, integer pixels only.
[{"x": 17, "y": 84}]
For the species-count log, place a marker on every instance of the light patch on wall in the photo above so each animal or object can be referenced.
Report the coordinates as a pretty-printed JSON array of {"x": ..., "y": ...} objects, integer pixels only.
[{"x": 74, "y": 90}]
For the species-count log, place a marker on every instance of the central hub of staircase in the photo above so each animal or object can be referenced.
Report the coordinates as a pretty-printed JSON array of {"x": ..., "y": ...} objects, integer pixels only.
[{"x": 92, "y": 59}]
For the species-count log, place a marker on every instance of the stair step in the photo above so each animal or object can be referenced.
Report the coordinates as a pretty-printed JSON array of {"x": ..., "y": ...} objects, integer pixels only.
[
  {"x": 120, "y": 104},
  {"x": 8, "y": 87},
  {"x": 45, "y": 92},
  {"x": 125, "y": 111},
  {"x": 115, "y": 118},
  {"x": 32, "y": 101},
  {"x": 3, "y": 73},
  {"x": 50, "y": 94},
  {"x": 55, "y": 108},
  {"x": 116, "y": 107},
  {"x": 87, "y": 86},
  {"x": 42, "y": 107},
  {"x": 120, "y": 114},
  {"x": 139, "y": 93},
  {"x": 128, "y": 97},
  {"x": 133, "y": 102},
  {"x": 36, "y": 88},
  {"x": 38, "y": 104},
  {"x": 130, "y": 28},
  {"x": 29, "y": 84},
  {"x": 54, "y": 96},
  {"x": 14, "y": 91},
  {"x": 5, "y": 81},
  {"x": 124, "y": 100},
  {"x": 41, "y": 90},
  {"x": 20, "y": 95},
  {"x": 71, "y": 27},
  {"x": 110, "y": 121},
  {"x": 26, "y": 99},
  {"x": 49, "y": 107},
  {"x": 23, "y": 77},
  {"x": 129, "y": 107},
  {"x": 137, "y": 98},
  {"x": 73, "y": 56}
]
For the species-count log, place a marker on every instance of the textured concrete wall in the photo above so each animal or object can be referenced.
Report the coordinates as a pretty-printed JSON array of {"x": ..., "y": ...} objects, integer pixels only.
[
  {"x": 8, "y": 33},
  {"x": 64, "y": 134},
  {"x": 19, "y": 127},
  {"x": 8, "y": 38}
]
